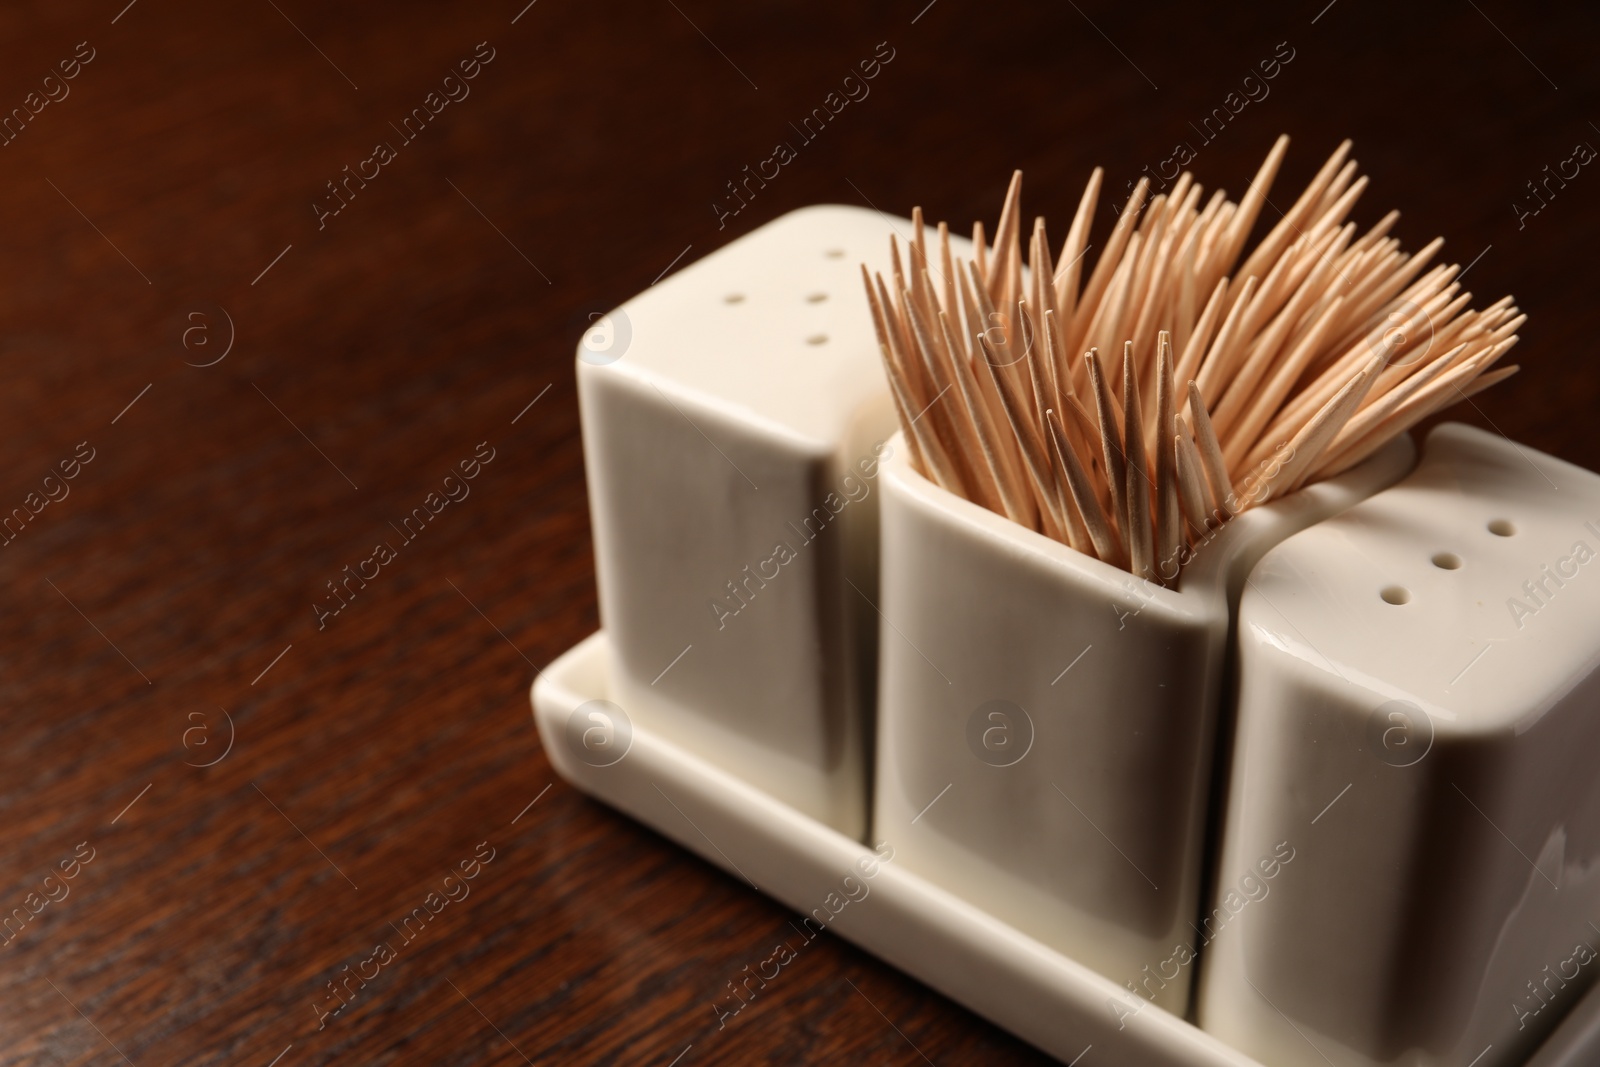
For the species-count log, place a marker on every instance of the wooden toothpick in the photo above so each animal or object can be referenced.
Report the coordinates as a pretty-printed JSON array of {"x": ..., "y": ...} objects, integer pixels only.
[{"x": 1298, "y": 359}]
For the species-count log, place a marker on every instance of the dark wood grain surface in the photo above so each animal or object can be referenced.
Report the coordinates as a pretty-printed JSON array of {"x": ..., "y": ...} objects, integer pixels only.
[{"x": 163, "y": 606}]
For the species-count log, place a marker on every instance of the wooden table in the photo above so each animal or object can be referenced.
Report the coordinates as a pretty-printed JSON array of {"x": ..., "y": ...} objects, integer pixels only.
[{"x": 267, "y": 386}]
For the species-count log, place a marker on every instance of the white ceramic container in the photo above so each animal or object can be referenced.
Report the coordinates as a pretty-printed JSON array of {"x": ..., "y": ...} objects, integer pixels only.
[
  {"x": 1419, "y": 726},
  {"x": 734, "y": 416},
  {"x": 1046, "y": 721}
]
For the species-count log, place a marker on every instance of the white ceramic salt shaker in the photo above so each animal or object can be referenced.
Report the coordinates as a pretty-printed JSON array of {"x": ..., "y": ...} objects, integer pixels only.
[
  {"x": 734, "y": 416},
  {"x": 1419, "y": 720}
]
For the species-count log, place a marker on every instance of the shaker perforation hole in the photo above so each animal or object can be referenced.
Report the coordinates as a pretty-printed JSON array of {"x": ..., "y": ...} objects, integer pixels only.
[
  {"x": 817, "y": 339},
  {"x": 733, "y": 298},
  {"x": 1502, "y": 527},
  {"x": 1447, "y": 561},
  {"x": 1396, "y": 594},
  {"x": 834, "y": 253},
  {"x": 816, "y": 298}
]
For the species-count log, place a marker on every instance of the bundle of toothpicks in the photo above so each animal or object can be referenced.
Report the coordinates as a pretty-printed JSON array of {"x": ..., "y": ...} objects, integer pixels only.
[{"x": 1132, "y": 414}]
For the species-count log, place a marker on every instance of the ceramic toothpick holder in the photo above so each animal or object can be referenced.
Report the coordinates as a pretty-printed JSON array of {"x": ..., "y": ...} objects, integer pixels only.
[{"x": 1046, "y": 721}]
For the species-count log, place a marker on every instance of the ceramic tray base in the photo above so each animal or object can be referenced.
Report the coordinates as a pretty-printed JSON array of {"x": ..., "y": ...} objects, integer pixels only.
[{"x": 1045, "y": 998}]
